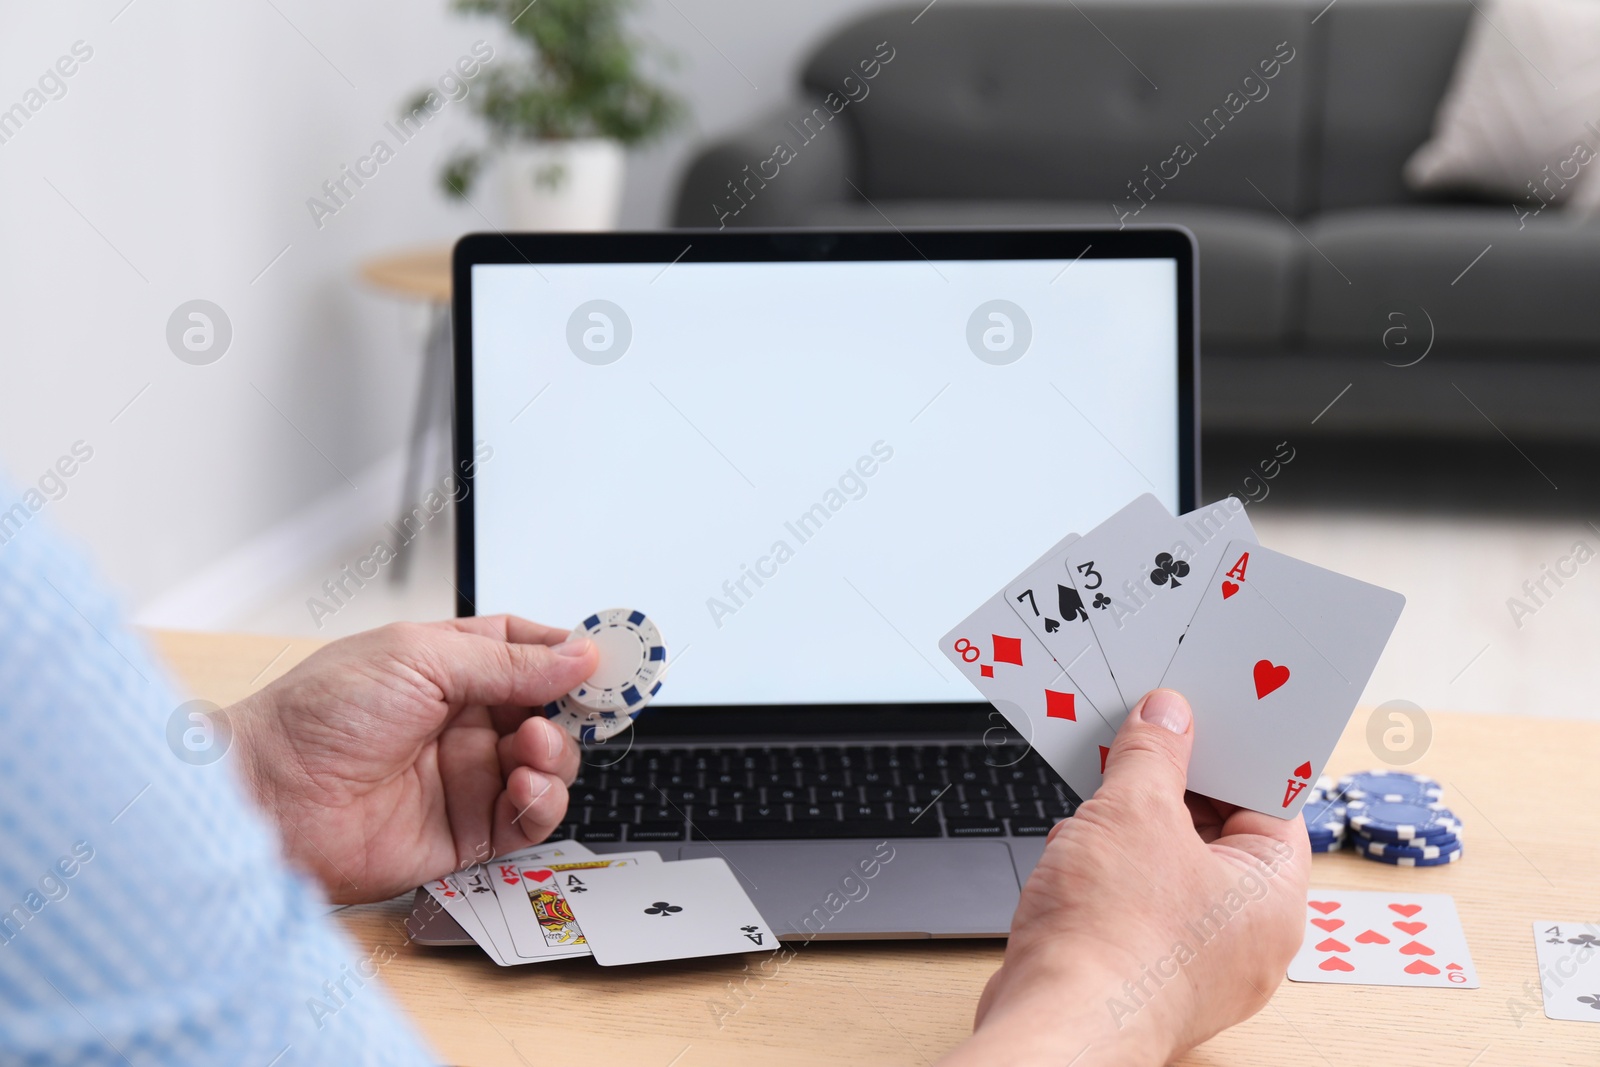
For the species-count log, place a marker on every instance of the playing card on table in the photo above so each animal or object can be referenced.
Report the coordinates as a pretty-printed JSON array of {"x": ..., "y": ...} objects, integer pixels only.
[
  {"x": 532, "y": 895},
  {"x": 1008, "y": 665},
  {"x": 1049, "y": 604},
  {"x": 1273, "y": 663},
  {"x": 477, "y": 884},
  {"x": 1362, "y": 938},
  {"x": 671, "y": 911},
  {"x": 453, "y": 899},
  {"x": 1139, "y": 576},
  {"x": 1569, "y": 969}
]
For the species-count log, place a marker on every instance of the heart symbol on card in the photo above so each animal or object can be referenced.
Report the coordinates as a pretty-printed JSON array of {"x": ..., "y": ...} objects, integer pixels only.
[
  {"x": 1334, "y": 963},
  {"x": 1415, "y": 948},
  {"x": 1324, "y": 906},
  {"x": 509, "y": 879},
  {"x": 1407, "y": 910},
  {"x": 538, "y": 876},
  {"x": 1269, "y": 677},
  {"x": 1332, "y": 944},
  {"x": 1327, "y": 925},
  {"x": 1371, "y": 937},
  {"x": 1411, "y": 928},
  {"x": 1228, "y": 589},
  {"x": 1421, "y": 967},
  {"x": 1453, "y": 967}
]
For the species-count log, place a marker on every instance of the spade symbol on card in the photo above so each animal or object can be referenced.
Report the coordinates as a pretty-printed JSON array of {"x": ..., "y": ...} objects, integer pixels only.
[
  {"x": 1168, "y": 570},
  {"x": 1070, "y": 604},
  {"x": 1051, "y": 625}
]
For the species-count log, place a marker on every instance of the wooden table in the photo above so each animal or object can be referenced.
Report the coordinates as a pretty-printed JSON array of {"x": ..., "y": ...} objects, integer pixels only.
[{"x": 1526, "y": 789}]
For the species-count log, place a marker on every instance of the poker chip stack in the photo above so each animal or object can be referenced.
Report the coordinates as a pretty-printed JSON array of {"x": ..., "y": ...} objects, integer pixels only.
[
  {"x": 1397, "y": 818},
  {"x": 1325, "y": 816}
]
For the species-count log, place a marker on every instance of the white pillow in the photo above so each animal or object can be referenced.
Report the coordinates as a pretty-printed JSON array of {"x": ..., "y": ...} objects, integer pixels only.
[{"x": 1525, "y": 95}]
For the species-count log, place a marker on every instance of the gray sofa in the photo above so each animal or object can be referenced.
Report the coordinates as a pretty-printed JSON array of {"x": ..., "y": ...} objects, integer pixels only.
[{"x": 1318, "y": 267}]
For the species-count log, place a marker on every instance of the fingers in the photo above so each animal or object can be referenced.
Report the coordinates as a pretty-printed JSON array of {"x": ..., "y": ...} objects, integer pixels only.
[
  {"x": 1151, "y": 752},
  {"x": 469, "y": 769},
  {"x": 474, "y": 669},
  {"x": 543, "y": 746},
  {"x": 511, "y": 628},
  {"x": 535, "y": 804}
]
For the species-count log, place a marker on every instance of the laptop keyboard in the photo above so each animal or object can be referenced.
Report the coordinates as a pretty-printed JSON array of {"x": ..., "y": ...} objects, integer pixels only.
[{"x": 784, "y": 792}]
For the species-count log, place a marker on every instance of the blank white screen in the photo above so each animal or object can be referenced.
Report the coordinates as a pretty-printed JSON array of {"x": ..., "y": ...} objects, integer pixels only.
[{"x": 748, "y": 396}]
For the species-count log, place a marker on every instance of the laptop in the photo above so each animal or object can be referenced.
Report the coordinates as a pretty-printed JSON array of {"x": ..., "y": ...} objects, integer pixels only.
[{"x": 806, "y": 455}]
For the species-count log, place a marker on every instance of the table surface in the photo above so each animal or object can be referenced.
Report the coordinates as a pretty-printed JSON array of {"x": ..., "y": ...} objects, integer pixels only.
[
  {"x": 1525, "y": 788},
  {"x": 423, "y": 273}
]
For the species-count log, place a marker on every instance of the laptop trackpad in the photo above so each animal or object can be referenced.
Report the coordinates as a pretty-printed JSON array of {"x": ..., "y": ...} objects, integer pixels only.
[{"x": 916, "y": 888}]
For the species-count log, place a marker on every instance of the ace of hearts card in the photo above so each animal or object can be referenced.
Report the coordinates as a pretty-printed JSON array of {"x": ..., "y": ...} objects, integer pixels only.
[{"x": 1273, "y": 663}]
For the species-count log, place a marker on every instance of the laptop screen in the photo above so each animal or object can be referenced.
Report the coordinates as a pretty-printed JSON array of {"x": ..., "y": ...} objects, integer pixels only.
[{"x": 806, "y": 472}]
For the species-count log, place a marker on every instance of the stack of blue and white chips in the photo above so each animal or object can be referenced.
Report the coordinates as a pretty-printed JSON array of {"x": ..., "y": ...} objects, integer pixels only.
[
  {"x": 1325, "y": 817},
  {"x": 1388, "y": 816}
]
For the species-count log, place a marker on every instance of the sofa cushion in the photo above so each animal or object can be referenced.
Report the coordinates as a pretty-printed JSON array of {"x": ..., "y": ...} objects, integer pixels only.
[
  {"x": 1247, "y": 258},
  {"x": 1073, "y": 102},
  {"x": 1384, "y": 68},
  {"x": 1535, "y": 284}
]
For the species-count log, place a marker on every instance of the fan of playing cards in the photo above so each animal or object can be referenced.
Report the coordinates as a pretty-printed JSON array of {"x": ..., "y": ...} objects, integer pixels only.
[
  {"x": 1271, "y": 652},
  {"x": 556, "y": 901}
]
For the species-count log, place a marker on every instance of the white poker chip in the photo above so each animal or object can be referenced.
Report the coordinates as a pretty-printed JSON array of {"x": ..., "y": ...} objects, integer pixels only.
[
  {"x": 632, "y": 658},
  {"x": 589, "y": 725}
]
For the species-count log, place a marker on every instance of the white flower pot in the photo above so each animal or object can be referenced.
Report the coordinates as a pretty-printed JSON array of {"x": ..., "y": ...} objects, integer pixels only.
[{"x": 564, "y": 185}]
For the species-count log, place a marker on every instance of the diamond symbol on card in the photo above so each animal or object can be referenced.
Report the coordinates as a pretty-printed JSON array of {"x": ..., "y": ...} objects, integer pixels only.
[
  {"x": 1058, "y": 705},
  {"x": 986, "y": 670},
  {"x": 1007, "y": 649}
]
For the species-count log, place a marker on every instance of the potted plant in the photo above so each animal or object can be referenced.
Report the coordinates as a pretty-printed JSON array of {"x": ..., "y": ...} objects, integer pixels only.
[{"x": 560, "y": 124}]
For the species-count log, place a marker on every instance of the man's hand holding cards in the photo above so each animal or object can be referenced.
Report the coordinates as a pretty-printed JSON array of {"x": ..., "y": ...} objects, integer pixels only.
[{"x": 1272, "y": 653}]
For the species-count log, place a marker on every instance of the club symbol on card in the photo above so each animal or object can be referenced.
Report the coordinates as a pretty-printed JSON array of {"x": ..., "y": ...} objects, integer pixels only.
[
  {"x": 1593, "y": 1000},
  {"x": 1168, "y": 570},
  {"x": 1101, "y": 601},
  {"x": 753, "y": 933},
  {"x": 1269, "y": 677},
  {"x": 661, "y": 907}
]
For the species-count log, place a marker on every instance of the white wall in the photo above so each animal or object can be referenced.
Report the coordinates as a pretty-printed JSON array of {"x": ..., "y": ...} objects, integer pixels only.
[{"x": 177, "y": 165}]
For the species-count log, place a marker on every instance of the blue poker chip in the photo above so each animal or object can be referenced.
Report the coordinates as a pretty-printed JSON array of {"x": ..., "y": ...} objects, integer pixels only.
[
  {"x": 1372, "y": 850},
  {"x": 1417, "y": 850},
  {"x": 1332, "y": 844},
  {"x": 1390, "y": 785},
  {"x": 591, "y": 725},
  {"x": 1397, "y": 821},
  {"x": 632, "y": 660},
  {"x": 1324, "y": 816}
]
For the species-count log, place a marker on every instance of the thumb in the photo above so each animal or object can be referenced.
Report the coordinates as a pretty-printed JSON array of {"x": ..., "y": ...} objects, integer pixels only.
[
  {"x": 1151, "y": 752},
  {"x": 483, "y": 670}
]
